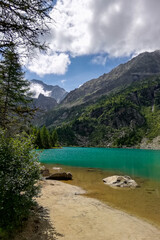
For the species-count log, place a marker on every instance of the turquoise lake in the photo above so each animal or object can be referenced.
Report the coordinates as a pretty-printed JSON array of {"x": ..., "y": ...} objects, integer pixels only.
[
  {"x": 134, "y": 162},
  {"x": 90, "y": 165}
]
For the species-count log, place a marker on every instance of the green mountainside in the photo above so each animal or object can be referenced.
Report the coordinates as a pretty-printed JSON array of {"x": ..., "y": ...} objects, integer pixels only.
[
  {"x": 120, "y": 119},
  {"x": 118, "y": 109}
]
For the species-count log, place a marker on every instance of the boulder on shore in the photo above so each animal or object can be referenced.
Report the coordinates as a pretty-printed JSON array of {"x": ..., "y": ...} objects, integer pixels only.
[
  {"x": 60, "y": 176},
  {"x": 120, "y": 181}
]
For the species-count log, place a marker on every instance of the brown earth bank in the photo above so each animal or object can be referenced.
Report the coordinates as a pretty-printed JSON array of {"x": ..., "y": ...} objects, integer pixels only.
[{"x": 66, "y": 214}]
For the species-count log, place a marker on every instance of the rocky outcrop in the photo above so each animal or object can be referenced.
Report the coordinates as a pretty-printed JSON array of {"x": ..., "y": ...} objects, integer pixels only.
[
  {"x": 43, "y": 103},
  {"x": 120, "y": 181},
  {"x": 60, "y": 176}
]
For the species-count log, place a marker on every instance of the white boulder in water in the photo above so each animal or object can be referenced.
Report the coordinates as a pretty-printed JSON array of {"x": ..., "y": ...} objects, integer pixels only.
[{"x": 120, "y": 181}]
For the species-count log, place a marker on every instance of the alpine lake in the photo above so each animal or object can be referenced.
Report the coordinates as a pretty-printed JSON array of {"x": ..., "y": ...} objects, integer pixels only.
[{"x": 90, "y": 165}]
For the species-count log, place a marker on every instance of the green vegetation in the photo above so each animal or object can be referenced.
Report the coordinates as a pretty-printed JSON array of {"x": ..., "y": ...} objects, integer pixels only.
[
  {"x": 45, "y": 139},
  {"x": 13, "y": 91},
  {"x": 121, "y": 119},
  {"x": 19, "y": 168},
  {"x": 22, "y": 22},
  {"x": 66, "y": 135},
  {"x": 19, "y": 173}
]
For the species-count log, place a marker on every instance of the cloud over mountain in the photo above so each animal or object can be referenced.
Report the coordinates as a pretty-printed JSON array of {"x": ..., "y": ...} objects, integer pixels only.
[
  {"x": 37, "y": 89},
  {"x": 114, "y": 27}
]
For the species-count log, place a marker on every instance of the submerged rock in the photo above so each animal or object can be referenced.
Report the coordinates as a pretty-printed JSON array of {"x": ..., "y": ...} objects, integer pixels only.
[
  {"x": 120, "y": 181},
  {"x": 60, "y": 176}
]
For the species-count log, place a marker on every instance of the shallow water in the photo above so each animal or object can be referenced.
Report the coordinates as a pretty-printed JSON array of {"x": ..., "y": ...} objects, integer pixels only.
[{"x": 92, "y": 165}]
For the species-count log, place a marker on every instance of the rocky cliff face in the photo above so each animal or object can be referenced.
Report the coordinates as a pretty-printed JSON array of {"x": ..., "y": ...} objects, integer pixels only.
[
  {"x": 43, "y": 103},
  {"x": 137, "y": 69}
]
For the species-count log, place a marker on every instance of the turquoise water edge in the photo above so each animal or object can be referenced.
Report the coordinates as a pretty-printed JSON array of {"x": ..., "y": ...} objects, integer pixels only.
[{"x": 134, "y": 162}]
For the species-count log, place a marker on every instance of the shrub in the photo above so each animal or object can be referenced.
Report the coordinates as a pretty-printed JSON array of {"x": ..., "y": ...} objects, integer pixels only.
[{"x": 19, "y": 173}]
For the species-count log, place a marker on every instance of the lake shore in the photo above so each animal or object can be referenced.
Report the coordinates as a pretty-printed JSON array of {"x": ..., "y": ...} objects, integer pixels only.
[{"x": 78, "y": 217}]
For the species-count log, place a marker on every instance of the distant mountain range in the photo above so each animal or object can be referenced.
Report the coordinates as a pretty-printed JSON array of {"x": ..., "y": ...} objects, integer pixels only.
[
  {"x": 38, "y": 87},
  {"x": 46, "y": 97},
  {"x": 44, "y": 103},
  {"x": 118, "y": 109}
]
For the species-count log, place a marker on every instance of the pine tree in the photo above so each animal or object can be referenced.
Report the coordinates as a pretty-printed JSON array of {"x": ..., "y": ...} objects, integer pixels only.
[
  {"x": 38, "y": 141},
  {"x": 54, "y": 138},
  {"x": 13, "y": 94},
  {"x": 45, "y": 138}
]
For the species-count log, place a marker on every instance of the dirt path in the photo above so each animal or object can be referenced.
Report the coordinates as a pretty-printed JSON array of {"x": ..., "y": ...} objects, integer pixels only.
[{"x": 77, "y": 217}]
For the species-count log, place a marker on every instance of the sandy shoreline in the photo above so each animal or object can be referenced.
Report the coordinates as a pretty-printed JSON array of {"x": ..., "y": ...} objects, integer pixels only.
[{"x": 76, "y": 217}]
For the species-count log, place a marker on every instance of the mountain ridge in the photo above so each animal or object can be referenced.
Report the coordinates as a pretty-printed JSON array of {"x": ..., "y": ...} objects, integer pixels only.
[
  {"x": 56, "y": 92},
  {"x": 122, "y": 75}
]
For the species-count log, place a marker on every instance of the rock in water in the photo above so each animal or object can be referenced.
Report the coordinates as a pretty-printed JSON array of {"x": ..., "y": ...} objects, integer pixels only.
[
  {"x": 120, "y": 181},
  {"x": 60, "y": 176}
]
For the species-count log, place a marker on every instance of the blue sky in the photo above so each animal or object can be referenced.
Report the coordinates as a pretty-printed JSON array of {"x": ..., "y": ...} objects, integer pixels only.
[
  {"x": 88, "y": 38},
  {"x": 80, "y": 70}
]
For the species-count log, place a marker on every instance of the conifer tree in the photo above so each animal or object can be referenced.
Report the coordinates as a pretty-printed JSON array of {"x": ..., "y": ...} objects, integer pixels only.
[
  {"x": 45, "y": 138},
  {"x": 54, "y": 138},
  {"x": 38, "y": 141},
  {"x": 13, "y": 90}
]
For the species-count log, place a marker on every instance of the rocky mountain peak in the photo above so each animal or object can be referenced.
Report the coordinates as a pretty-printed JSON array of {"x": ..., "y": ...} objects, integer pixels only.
[
  {"x": 38, "y": 87},
  {"x": 138, "y": 68}
]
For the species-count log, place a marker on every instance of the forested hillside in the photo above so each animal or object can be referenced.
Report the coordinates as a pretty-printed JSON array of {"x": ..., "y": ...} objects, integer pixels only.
[{"x": 118, "y": 120}]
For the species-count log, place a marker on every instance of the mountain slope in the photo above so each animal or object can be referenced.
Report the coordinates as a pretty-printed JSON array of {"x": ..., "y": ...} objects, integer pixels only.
[
  {"x": 145, "y": 64},
  {"x": 122, "y": 119},
  {"x": 43, "y": 103}
]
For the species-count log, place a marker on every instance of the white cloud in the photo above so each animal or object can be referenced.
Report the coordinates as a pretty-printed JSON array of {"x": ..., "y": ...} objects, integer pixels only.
[
  {"x": 36, "y": 89},
  {"x": 71, "y": 30},
  {"x": 47, "y": 64},
  {"x": 99, "y": 60},
  {"x": 125, "y": 27},
  {"x": 114, "y": 27}
]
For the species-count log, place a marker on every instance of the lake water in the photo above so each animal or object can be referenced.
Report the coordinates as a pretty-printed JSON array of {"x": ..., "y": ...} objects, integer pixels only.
[
  {"x": 90, "y": 165},
  {"x": 134, "y": 162}
]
